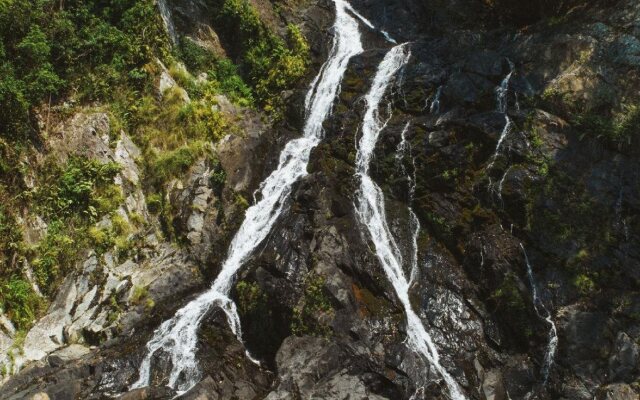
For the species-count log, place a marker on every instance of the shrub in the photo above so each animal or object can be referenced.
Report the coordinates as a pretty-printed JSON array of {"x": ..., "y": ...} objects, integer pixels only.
[
  {"x": 154, "y": 203},
  {"x": 169, "y": 164},
  {"x": 584, "y": 284},
  {"x": 250, "y": 296},
  {"x": 314, "y": 303},
  {"x": 618, "y": 129},
  {"x": 76, "y": 189},
  {"x": 19, "y": 301},
  {"x": 270, "y": 64},
  {"x": 54, "y": 255}
]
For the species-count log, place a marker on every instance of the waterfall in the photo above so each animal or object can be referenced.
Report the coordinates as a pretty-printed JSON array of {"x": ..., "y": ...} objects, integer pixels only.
[
  {"x": 165, "y": 13},
  {"x": 501, "y": 182},
  {"x": 544, "y": 314},
  {"x": 435, "y": 103},
  {"x": 368, "y": 23},
  {"x": 404, "y": 149},
  {"x": 370, "y": 211},
  {"x": 502, "y": 100},
  {"x": 177, "y": 337}
]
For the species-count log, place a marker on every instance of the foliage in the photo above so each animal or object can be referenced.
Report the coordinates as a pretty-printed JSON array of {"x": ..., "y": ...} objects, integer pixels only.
[
  {"x": 584, "y": 284},
  {"x": 221, "y": 74},
  {"x": 141, "y": 295},
  {"x": 50, "y": 48},
  {"x": 305, "y": 319},
  {"x": 82, "y": 187},
  {"x": 169, "y": 164},
  {"x": 10, "y": 234},
  {"x": 250, "y": 296},
  {"x": 508, "y": 296},
  {"x": 55, "y": 255},
  {"x": 71, "y": 197},
  {"x": 19, "y": 301},
  {"x": 619, "y": 129},
  {"x": 270, "y": 64}
]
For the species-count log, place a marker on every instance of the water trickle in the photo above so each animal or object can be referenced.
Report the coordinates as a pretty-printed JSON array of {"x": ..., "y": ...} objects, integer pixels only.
[
  {"x": 167, "y": 18},
  {"x": 368, "y": 23},
  {"x": 502, "y": 100},
  {"x": 370, "y": 210},
  {"x": 404, "y": 150},
  {"x": 435, "y": 103},
  {"x": 544, "y": 314},
  {"x": 177, "y": 337},
  {"x": 502, "y": 91},
  {"x": 501, "y": 182}
]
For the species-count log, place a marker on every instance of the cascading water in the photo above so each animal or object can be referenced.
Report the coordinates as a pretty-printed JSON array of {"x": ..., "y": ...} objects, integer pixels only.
[
  {"x": 165, "y": 14},
  {"x": 502, "y": 92},
  {"x": 433, "y": 102},
  {"x": 501, "y": 182},
  {"x": 177, "y": 337},
  {"x": 403, "y": 150},
  {"x": 370, "y": 210},
  {"x": 544, "y": 314}
]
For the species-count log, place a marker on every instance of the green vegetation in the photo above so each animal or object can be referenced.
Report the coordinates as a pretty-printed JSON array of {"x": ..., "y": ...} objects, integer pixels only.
[
  {"x": 61, "y": 57},
  {"x": 507, "y": 296},
  {"x": 50, "y": 49},
  {"x": 511, "y": 309},
  {"x": 222, "y": 75},
  {"x": 140, "y": 295},
  {"x": 82, "y": 188},
  {"x": 270, "y": 64},
  {"x": 19, "y": 301},
  {"x": 307, "y": 314},
  {"x": 71, "y": 198},
  {"x": 250, "y": 297},
  {"x": 584, "y": 284},
  {"x": 618, "y": 129}
]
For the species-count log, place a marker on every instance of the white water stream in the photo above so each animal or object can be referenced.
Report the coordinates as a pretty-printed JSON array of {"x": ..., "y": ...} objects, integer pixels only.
[
  {"x": 544, "y": 314},
  {"x": 502, "y": 92},
  {"x": 370, "y": 210},
  {"x": 177, "y": 337}
]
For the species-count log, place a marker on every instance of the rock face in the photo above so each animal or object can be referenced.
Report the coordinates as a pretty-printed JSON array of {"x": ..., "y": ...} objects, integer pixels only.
[{"x": 558, "y": 188}]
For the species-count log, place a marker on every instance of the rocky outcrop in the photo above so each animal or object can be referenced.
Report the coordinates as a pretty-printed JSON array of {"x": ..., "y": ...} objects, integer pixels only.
[{"x": 560, "y": 192}]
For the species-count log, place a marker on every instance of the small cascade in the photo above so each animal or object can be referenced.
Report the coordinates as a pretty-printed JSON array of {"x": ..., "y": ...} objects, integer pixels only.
[
  {"x": 501, "y": 182},
  {"x": 544, "y": 314},
  {"x": 502, "y": 91},
  {"x": 433, "y": 102},
  {"x": 176, "y": 338},
  {"x": 502, "y": 100},
  {"x": 167, "y": 18},
  {"x": 368, "y": 23},
  {"x": 370, "y": 210},
  {"x": 404, "y": 150}
]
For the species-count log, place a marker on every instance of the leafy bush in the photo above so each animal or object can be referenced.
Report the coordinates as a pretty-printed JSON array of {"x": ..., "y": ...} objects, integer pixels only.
[
  {"x": 19, "y": 301},
  {"x": 50, "y": 47},
  {"x": 314, "y": 303},
  {"x": 584, "y": 284},
  {"x": 77, "y": 189},
  {"x": 270, "y": 64},
  {"x": 250, "y": 296},
  {"x": 618, "y": 129},
  {"x": 55, "y": 255},
  {"x": 169, "y": 164},
  {"x": 11, "y": 236}
]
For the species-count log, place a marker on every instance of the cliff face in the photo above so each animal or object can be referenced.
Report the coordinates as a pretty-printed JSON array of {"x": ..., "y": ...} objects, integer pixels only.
[{"x": 512, "y": 135}]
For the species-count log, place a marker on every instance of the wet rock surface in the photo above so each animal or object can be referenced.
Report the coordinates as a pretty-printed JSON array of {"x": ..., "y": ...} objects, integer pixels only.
[{"x": 317, "y": 310}]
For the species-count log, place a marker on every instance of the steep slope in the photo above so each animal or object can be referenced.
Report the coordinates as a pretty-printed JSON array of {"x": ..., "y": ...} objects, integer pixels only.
[{"x": 513, "y": 144}]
